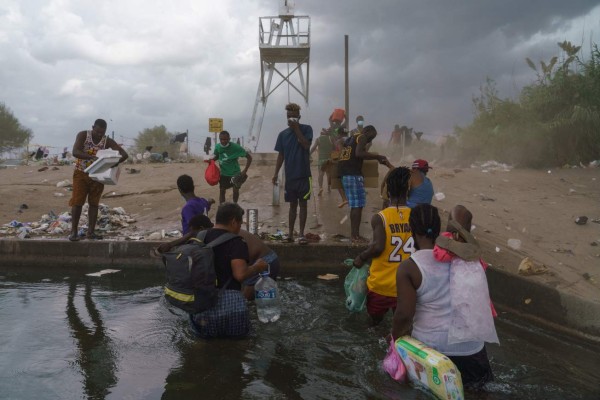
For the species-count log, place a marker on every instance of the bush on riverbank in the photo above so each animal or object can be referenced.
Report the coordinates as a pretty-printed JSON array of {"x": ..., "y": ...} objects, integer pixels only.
[{"x": 555, "y": 121}]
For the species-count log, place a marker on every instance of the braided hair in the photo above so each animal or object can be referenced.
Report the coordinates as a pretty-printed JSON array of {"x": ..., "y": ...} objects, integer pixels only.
[
  {"x": 425, "y": 220},
  {"x": 398, "y": 183}
]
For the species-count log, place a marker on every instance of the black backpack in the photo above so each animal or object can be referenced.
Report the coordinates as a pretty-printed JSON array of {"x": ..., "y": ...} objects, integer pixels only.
[{"x": 191, "y": 277}]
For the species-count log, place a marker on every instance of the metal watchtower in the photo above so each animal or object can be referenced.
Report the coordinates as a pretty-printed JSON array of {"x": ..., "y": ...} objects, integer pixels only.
[{"x": 283, "y": 41}]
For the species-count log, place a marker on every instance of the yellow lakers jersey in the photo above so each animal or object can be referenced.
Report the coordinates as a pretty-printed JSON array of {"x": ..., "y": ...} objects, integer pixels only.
[{"x": 399, "y": 246}]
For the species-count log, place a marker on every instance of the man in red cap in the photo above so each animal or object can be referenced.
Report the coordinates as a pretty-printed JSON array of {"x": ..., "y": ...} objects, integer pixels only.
[{"x": 421, "y": 188}]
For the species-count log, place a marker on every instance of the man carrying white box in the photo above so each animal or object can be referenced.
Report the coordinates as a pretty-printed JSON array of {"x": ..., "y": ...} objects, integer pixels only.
[{"x": 87, "y": 144}]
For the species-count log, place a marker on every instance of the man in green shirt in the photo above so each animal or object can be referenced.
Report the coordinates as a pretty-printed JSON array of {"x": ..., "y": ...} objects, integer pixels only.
[
  {"x": 227, "y": 153},
  {"x": 324, "y": 144}
]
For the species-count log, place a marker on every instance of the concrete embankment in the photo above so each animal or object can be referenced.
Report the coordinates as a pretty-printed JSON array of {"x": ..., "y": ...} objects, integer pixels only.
[{"x": 543, "y": 303}]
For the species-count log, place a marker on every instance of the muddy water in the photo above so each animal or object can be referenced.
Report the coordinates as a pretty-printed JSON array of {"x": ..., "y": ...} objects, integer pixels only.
[{"x": 68, "y": 336}]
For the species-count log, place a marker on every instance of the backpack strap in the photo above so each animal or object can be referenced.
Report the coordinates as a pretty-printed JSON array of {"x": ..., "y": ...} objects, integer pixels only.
[
  {"x": 201, "y": 236},
  {"x": 220, "y": 240}
]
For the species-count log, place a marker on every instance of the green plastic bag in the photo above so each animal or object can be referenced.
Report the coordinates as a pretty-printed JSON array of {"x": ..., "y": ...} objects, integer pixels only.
[{"x": 355, "y": 286}]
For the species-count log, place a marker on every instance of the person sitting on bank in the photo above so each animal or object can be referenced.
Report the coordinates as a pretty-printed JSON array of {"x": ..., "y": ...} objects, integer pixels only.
[
  {"x": 421, "y": 188},
  {"x": 228, "y": 153},
  {"x": 230, "y": 316},
  {"x": 194, "y": 205}
]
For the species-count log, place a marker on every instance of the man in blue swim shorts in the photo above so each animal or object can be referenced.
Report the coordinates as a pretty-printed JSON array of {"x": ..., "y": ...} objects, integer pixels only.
[{"x": 350, "y": 169}]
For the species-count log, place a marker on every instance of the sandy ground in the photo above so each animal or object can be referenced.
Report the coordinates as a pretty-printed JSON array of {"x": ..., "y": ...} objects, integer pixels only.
[{"x": 538, "y": 207}]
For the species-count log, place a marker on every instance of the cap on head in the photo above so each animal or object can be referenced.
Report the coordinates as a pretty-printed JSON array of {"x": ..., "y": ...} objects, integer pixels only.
[{"x": 421, "y": 165}]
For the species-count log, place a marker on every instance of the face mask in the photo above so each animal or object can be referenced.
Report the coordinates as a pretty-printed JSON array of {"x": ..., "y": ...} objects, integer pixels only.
[{"x": 361, "y": 123}]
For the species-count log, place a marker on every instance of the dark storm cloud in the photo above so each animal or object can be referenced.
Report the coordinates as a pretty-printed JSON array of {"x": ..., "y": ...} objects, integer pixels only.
[
  {"x": 411, "y": 62},
  {"x": 420, "y": 63}
]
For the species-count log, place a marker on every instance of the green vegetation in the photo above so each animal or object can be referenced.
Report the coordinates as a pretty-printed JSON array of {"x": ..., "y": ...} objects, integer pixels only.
[
  {"x": 555, "y": 121},
  {"x": 159, "y": 138},
  {"x": 12, "y": 133}
]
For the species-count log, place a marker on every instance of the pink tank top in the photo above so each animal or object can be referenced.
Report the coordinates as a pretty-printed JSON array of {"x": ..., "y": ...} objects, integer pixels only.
[{"x": 90, "y": 148}]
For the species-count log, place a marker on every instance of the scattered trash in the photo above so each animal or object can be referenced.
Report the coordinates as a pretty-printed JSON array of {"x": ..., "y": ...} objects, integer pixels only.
[
  {"x": 109, "y": 220},
  {"x": 563, "y": 251},
  {"x": 581, "y": 220},
  {"x": 104, "y": 272},
  {"x": 549, "y": 171},
  {"x": 439, "y": 196},
  {"x": 527, "y": 267},
  {"x": 571, "y": 191},
  {"x": 134, "y": 237},
  {"x": 23, "y": 206},
  {"x": 59, "y": 194},
  {"x": 328, "y": 277},
  {"x": 312, "y": 237},
  {"x": 133, "y": 170},
  {"x": 527, "y": 301},
  {"x": 155, "y": 236},
  {"x": 344, "y": 219},
  {"x": 65, "y": 183},
  {"x": 497, "y": 249},
  {"x": 492, "y": 166},
  {"x": 14, "y": 224},
  {"x": 514, "y": 244},
  {"x": 119, "y": 210},
  {"x": 42, "y": 169},
  {"x": 596, "y": 220},
  {"x": 485, "y": 198}
]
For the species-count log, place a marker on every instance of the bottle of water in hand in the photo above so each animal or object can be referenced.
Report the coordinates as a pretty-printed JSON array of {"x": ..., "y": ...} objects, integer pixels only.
[{"x": 267, "y": 299}]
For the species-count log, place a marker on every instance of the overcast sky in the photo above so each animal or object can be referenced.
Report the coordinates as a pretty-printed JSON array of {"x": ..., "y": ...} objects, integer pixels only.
[{"x": 141, "y": 63}]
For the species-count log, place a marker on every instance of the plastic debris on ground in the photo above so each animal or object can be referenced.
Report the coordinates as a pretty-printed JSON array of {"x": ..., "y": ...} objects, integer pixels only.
[
  {"x": 492, "y": 166},
  {"x": 514, "y": 244},
  {"x": 527, "y": 267},
  {"x": 104, "y": 272},
  {"x": 328, "y": 277},
  {"x": 110, "y": 220}
]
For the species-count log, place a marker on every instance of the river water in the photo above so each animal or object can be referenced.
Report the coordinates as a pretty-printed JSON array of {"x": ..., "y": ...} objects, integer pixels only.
[{"x": 70, "y": 336}]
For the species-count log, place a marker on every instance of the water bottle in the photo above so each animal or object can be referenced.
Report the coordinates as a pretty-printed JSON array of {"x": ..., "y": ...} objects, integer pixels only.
[{"x": 266, "y": 298}]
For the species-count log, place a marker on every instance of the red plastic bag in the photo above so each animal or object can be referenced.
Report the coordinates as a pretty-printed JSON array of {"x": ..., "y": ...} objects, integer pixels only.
[
  {"x": 212, "y": 173},
  {"x": 393, "y": 365}
]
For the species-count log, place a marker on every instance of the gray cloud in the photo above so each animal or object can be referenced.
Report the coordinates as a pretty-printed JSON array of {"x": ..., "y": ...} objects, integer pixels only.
[{"x": 145, "y": 63}]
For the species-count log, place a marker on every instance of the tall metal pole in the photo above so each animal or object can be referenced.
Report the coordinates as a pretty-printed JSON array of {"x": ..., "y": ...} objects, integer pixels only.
[
  {"x": 346, "y": 82},
  {"x": 187, "y": 144}
]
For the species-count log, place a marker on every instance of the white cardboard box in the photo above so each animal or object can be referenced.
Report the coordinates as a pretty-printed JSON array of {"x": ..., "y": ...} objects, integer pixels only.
[{"x": 102, "y": 169}]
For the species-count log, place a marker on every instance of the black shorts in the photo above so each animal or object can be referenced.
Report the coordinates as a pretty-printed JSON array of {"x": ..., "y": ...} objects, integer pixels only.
[
  {"x": 298, "y": 189},
  {"x": 475, "y": 369},
  {"x": 225, "y": 182}
]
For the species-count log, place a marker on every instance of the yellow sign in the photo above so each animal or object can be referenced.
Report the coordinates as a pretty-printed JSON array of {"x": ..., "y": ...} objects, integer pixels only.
[{"x": 215, "y": 124}]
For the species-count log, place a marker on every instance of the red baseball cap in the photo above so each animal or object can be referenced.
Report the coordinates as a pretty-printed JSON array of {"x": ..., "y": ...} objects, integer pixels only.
[{"x": 421, "y": 165}]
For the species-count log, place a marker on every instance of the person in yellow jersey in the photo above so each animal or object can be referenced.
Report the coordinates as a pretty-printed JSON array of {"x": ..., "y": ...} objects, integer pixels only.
[{"x": 392, "y": 243}]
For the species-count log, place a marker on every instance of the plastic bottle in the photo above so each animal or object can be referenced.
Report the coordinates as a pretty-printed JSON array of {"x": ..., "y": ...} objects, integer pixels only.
[{"x": 267, "y": 299}]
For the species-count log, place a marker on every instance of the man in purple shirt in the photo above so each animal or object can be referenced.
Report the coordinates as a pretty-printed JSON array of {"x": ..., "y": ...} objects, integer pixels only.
[{"x": 194, "y": 205}]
